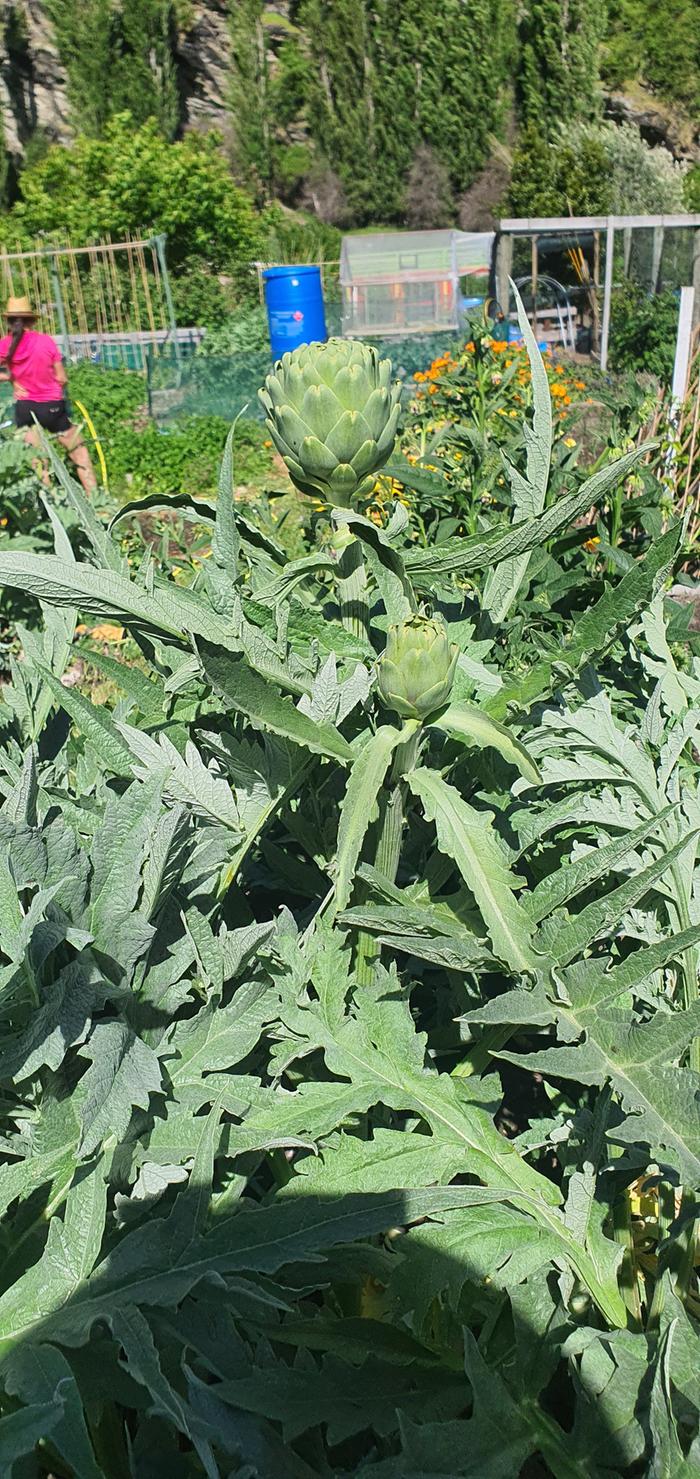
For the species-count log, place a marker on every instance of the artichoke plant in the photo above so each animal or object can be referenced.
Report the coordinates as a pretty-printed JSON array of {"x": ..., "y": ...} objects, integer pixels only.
[
  {"x": 332, "y": 414},
  {"x": 417, "y": 667}
]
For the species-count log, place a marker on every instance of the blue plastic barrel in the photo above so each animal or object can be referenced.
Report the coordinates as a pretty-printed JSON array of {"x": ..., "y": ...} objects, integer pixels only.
[{"x": 295, "y": 312}]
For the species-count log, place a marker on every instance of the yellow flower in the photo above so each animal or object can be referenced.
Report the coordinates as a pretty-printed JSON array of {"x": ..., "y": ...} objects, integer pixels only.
[
  {"x": 592, "y": 544},
  {"x": 569, "y": 441},
  {"x": 3, "y": 522},
  {"x": 512, "y": 413}
]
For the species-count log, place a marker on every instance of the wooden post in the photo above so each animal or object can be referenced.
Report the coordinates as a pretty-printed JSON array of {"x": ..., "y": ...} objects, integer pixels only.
[
  {"x": 595, "y": 295},
  {"x": 504, "y": 271},
  {"x": 696, "y": 278},
  {"x": 681, "y": 366},
  {"x": 656, "y": 254},
  {"x": 682, "y": 360},
  {"x": 626, "y": 248},
  {"x": 607, "y": 293}
]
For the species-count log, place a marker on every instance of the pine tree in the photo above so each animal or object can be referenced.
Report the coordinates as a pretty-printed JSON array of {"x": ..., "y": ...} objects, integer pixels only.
[
  {"x": 559, "y": 75},
  {"x": 119, "y": 58},
  {"x": 250, "y": 102}
]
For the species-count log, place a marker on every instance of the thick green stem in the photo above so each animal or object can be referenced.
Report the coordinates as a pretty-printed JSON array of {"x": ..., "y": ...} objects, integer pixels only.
[
  {"x": 628, "y": 1279},
  {"x": 388, "y": 851},
  {"x": 352, "y": 590}
]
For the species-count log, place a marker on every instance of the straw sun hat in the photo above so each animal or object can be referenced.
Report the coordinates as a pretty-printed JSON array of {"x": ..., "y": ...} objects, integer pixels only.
[{"x": 19, "y": 308}]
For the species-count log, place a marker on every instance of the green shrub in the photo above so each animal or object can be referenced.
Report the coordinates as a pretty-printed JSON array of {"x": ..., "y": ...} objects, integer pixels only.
[
  {"x": 643, "y": 329},
  {"x": 590, "y": 169},
  {"x": 131, "y": 180},
  {"x": 110, "y": 396}
]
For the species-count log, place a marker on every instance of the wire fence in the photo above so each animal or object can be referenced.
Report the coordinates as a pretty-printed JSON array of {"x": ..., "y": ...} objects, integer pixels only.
[{"x": 225, "y": 385}]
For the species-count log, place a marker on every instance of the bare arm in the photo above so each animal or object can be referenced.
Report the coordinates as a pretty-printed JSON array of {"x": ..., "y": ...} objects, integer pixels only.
[{"x": 60, "y": 373}]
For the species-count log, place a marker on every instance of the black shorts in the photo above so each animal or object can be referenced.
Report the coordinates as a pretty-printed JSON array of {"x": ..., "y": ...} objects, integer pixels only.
[{"x": 51, "y": 415}]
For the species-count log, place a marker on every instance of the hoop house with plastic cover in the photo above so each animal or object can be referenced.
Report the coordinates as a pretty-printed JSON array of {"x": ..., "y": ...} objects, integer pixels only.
[{"x": 410, "y": 282}]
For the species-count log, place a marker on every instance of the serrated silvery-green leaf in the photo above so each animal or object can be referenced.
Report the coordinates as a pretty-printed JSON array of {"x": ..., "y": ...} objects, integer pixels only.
[
  {"x": 347, "y": 1398},
  {"x": 117, "y": 854},
  {"x": 563, "y": 937},
  {"x": 661, "y": 1100},
  {"x": 573, "y": 877},
  {"x": 359, "y": 803},
  {"x": 598, "y": 627},
  {"x": 355, "y": 690},
  {"x": 152, "y": 1181},
  {"x": 321, "y": 704},
  {"x": 165, "y": 859},
  {"x": 21, "y": 1431},
  {"x": 226, "y": 542},
  {"x": 497, "y": 1243},
  {"x": 146, "y": 692},
  {"x": 108, "y": 594},
  {"x": 379, "y": 1051},
  {"x": 186, "y": 779},
  {"x": 157, "y": 1265},
  {"x": 105, "y": 549},
  {"x": 124, "y": 1072},
  {"x": 529, "y": 493},
  {"x": 467, "y": 836},
  {"x": 462, "y": 556},
  {"x": 294, "y": 574},
  {"x": 668, "y": 1460},
  {"x": 94, "y": 722},
  {"x": 266, "y": 709},
  {"x": 35, "y": 1374},
  {"x": 464, "y": 721},
  {"x": 197, "y": 509},
  {"x": 219, "y": 1036},
  {"x": 134, "y": 1335},
  {"x": 62, "y": 1021}
]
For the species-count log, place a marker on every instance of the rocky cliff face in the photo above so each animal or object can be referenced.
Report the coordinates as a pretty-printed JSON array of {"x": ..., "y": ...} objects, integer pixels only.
[
  {"x": 34, "y": 86},
  {"x": 33, "y": 82},
  {"x": 34, "y": 90}
]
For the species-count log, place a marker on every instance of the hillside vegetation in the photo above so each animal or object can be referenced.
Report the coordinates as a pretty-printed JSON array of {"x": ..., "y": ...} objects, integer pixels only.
[{"x": 350, "y": 109}]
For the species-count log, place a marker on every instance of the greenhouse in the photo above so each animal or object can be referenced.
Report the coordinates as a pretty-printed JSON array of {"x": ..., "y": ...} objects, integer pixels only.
[{"x": 420, "y": 282}]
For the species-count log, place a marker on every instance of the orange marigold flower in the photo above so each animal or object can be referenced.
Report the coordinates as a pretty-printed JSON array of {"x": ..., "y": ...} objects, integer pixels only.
[
  {"x": 591, "y": 544},
  {"x": 558, "y": 390},
  {"x": 579, "y": 384}
]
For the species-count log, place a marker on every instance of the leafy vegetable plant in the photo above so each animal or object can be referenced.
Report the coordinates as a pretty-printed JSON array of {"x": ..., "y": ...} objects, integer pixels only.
[{"x": 349, "y": 985}]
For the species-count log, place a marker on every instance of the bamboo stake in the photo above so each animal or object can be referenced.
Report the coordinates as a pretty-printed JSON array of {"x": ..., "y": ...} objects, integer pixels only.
[
  {"x": 147, "y": 293},
  {"x": 112, "y": 269},
  {"x": 134, "y": 291}
]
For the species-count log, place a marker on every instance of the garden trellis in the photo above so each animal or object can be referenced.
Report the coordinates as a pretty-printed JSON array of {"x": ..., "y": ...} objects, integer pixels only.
[
  {"x": 106, "y": 300},
  {"x": 592, "y": 256},
  {"x": 410, "y": 282}
]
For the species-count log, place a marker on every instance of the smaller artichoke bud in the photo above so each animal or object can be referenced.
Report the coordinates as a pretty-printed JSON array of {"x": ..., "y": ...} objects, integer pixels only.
[{"x": 417, "y": 667}]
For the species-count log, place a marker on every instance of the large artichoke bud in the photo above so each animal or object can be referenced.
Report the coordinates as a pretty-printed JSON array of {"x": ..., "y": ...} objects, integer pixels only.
[
  {"x": 417, "y": 667},
  {"x": 332, "y": 414}
]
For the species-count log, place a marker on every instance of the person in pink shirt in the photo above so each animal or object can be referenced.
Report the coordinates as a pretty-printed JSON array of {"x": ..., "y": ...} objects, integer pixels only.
[{"x": 32, "y": 362}]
